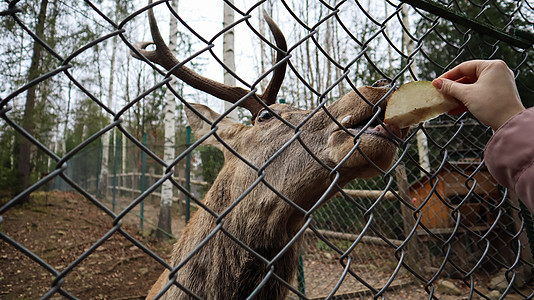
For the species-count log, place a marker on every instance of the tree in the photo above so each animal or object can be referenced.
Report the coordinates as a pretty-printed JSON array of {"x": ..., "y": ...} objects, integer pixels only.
[
  {"x": 448, "y": 45},
  {"x": 408, "y": 47},
  {"x": 103, "y": 179},
  {"x": 87, "y": 120},
  {"x": 165, "y": 210},
  {"x": 28, "y": 118},
  {"x": 212, "y": 160},
  {"x": 41, "y": 110}
]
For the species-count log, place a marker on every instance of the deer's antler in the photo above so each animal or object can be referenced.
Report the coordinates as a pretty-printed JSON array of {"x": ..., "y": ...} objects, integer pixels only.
[{"x": 164, "y": 57}]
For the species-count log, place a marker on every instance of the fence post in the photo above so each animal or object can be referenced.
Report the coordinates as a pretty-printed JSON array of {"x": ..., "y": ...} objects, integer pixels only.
[
  {"x": 187, "y": 174},
  {"x": 115, "y": 170},
  {"x": 98, "y": 166},
  {"x": 300, "y": 277},
  {"x": 143, "y": 184},
  {"x": 300, "y": 271},
  {"x": 417, "y": 253}
]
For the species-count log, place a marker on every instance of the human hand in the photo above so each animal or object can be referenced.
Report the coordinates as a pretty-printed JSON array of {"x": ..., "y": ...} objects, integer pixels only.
[{"x": 485, "y": 87}]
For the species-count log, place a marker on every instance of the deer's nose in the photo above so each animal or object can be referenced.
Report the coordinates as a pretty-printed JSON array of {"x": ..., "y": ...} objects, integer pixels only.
[{"x": 382, "y": 83}]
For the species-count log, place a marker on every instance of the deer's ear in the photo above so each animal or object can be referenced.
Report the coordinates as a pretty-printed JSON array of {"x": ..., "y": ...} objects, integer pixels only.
[{"x": 226, "y": 128}]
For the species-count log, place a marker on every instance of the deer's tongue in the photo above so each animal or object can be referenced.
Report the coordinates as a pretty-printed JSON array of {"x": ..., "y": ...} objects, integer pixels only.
[{"x": 388, "y": 129}]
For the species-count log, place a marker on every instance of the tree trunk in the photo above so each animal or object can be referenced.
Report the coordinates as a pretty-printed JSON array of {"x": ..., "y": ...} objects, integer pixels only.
[
  {"x": 308, "y": 59},
  {"x": 422, "y": 142},
  {"x": 165, "y": 207},
  {"x": 262, "y": 50},
  {"x": 106, "y": 137},
  {"x": 46, "y": 88},
  {"x": 28, "y": 119},
  {"x": 66, "y": 123},
  {"x": 390, "y": 54},
  {"x": 415, "y": 248},
  {"x": 336, "y": 49},
  {"x": 328, "y": 47},
  {"x": 229, "y": 54},
  {"x": 128, "y": 98}
]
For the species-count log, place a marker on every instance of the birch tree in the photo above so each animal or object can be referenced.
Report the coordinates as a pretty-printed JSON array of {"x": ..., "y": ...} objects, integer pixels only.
[
  {"x": 165, "y": 211},
  {"x": 229, "y": 53},
  {"x": 408, "y": 45}
]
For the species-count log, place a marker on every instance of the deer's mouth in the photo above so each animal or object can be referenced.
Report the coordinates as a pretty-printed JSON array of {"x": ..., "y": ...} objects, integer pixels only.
[{"x": 372, "y": 126}]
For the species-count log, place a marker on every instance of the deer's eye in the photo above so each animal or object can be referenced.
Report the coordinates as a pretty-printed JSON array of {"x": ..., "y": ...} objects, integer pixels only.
[{"x": 264, "y": 115}]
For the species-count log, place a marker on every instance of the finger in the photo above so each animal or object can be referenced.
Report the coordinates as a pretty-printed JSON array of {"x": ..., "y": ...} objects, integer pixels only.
[
  {"x": 466, "y": 80},
  {"x": 465, "y": 69}
]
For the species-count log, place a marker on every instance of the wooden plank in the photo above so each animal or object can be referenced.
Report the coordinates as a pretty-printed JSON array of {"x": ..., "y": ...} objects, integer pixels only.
[
  {"x": 449, "y": 230},
  {"x": 372, "y": 194},
  {"x": 364, "y": 291},
  {"x": 352, "y": 237}
]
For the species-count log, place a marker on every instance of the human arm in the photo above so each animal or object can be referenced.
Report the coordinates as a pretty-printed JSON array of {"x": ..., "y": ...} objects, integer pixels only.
[{"x": 509, "y": 156}]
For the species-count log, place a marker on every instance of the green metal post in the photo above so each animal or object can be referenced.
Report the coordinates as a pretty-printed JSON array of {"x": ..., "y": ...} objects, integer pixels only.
[
  {"x": 300, "y": 271},
  {"x": 143, "y": 183},
  {"x": 115, "y": 169},
  {"x": 300, "y": 276},
  {"x": 188, "y": 175}
]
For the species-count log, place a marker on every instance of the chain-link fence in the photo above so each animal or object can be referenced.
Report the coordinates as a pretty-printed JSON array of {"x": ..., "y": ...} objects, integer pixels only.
[{"x": 285, "y": 216}]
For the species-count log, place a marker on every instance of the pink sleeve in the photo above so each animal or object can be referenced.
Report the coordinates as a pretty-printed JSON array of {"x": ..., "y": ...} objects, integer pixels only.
[{"x": 509, "y": 156}]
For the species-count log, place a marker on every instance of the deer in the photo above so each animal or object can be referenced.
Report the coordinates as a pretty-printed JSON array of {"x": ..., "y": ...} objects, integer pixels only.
[{"x": 289, "y": 161}]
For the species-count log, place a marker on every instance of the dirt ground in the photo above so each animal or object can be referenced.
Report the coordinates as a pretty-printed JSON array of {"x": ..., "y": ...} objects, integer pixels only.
[{"x": 59, "y": 227}]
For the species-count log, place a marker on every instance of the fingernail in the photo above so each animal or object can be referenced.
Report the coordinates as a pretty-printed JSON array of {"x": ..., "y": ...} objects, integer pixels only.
[{"x": 437, "y": 83}]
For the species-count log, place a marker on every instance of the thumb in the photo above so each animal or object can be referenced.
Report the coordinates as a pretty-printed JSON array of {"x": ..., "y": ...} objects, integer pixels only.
[
  {"x": 453, "y": 89},
  {"x": 449, "y": 87}
]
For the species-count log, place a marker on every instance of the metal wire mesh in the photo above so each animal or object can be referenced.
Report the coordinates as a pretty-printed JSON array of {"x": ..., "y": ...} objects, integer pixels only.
[{"x": 435, "y": 215}]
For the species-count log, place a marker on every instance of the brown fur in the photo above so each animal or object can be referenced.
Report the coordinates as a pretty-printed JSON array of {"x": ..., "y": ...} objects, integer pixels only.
[{"x": 222, "y": 269}]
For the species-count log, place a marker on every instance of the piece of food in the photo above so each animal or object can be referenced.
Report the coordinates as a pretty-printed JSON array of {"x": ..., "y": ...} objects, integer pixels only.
[{"x": 415, "y": 102}]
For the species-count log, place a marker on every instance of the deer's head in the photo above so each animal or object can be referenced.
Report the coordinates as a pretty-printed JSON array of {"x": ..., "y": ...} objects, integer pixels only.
[{"x": 296, "y": 153}]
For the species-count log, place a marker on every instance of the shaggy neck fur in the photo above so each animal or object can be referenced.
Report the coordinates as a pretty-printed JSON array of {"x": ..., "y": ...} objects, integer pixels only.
[{"x": 223, "y": 269}]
